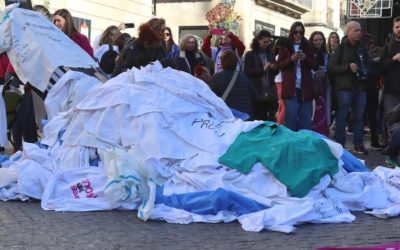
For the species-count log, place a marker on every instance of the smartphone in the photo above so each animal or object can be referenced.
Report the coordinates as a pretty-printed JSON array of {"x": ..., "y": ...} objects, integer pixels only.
[
  {"x": 129, "y": 25},
  {"x": 218, "y": 32},
  {"x": 299, "y": 52}
]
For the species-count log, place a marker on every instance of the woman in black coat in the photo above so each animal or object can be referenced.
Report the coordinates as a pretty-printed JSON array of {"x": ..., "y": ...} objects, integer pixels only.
[
  {"x": 189, "y": 56},
  {"x": 259, "y": 67}
]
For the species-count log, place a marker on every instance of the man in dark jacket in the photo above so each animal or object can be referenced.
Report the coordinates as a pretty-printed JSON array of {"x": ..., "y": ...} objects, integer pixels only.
[
  {"x": 242, "y": 95},
  {"x": 347, "y": 65},
  {"x": 392, "y": 151},
  {"x": 390, "y": 66}
]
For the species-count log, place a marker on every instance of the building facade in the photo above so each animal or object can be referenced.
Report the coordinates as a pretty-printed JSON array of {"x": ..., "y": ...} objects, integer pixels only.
[
  {"x": 324, "y": 16},
  {"x": 275, "y": 16},
  {"x": 92, "y": 17}
]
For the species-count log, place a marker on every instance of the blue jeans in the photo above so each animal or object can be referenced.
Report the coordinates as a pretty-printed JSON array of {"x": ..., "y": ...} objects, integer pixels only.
[
  {"x": 298, "y": 112},
  {"x": 355, "y": 100}
]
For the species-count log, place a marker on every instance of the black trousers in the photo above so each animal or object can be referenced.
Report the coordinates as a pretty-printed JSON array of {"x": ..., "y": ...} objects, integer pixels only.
[
  {"x": 371, "y": 109},
  {"x": 24, "y": 127}
]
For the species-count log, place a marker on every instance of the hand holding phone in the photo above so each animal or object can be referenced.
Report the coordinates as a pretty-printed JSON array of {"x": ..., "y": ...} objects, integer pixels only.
[
  {"x": 218, "y": 32},
  {"x": 300, "y": 55}
]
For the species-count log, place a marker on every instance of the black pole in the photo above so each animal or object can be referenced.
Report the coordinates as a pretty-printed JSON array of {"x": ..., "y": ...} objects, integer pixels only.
[{"x": 154, "y": 7}]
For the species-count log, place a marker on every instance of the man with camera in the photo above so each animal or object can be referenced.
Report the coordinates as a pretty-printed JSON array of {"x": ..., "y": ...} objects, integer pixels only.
[{"x": 349, "y": 67}]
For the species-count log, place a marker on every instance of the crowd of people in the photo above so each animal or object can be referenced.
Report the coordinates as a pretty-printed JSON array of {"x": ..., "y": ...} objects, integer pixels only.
[{"x": 317, "y": 84}]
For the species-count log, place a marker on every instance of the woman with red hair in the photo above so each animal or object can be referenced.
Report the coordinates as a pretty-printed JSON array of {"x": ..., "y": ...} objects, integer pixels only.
[{"x": 145, "y": 49}]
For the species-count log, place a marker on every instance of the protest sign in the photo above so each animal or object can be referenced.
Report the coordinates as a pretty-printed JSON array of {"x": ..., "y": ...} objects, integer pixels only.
[{"x": 36, "y": 47}]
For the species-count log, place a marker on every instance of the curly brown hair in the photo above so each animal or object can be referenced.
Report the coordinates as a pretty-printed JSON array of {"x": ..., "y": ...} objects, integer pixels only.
[
  {"x": 229, "y": 60},
  {"x": 109, "y": 35}
]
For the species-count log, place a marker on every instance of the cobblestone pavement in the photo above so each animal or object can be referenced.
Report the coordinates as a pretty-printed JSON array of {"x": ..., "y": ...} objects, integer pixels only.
[{"x": 24, "y": 225}]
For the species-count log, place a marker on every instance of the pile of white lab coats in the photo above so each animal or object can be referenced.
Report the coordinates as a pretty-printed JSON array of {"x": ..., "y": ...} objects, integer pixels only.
[{"x": 149, "y": 140}]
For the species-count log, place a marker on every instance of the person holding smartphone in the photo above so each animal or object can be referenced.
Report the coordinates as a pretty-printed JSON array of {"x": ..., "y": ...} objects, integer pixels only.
[
  {"x": 229, "y": 42},
  {"x": 296, "y": 63}
]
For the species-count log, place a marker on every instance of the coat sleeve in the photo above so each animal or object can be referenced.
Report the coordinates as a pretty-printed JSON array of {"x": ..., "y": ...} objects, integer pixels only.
[
  {"x": 386, "y": 61},
  {"x": 206, "y": 46},
  {"x": 255, "y": 96},
  {"x": 250, "y": 68},
  {"x": 238, "y": 44},
  {"x": 335, "y": 67},
  {"x": 215, "y": 86},
  {"x": 284, "y": 60},
  {"x": 85, "y": 45}
]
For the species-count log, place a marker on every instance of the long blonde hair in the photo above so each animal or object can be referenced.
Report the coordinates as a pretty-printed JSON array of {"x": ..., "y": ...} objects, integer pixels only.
[{"x": 182, "y": 44}]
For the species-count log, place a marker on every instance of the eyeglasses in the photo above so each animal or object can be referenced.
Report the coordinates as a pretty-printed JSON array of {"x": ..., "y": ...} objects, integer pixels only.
[
  {"x": 298, "y": 32},
  {"x": 167, "y": 34}
]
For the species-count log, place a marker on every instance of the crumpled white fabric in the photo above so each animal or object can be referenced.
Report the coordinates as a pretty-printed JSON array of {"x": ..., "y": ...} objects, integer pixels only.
[
  {"x": 359, "y": 191},
  {"x": 122, "y": 178},
  {"x": 391, "y": 183},
  {"x": 385, "y": 213},
  {"x": 8, "y": 176},
  {"x": 69, "y": 90},
  {"x": 282, "y": 218},
  {"x": 167, "y": 128},
  {"x": 179, "y": 216},
  {"x": 11, "y": 193},
  {"x": 209, "y": 178},
  {"x": 81, "y": 189}
]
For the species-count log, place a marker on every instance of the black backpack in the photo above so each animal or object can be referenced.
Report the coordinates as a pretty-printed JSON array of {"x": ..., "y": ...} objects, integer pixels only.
[{"x": 107, "y": 62}]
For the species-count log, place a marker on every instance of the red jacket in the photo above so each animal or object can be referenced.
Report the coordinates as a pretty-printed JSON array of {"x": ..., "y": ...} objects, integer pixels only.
[
  {"x": 3, "y": 64},
  {"x": 288, "y": 68},
  {"x": 83, "y": 42},
  {"x": 239, "y": 46}
]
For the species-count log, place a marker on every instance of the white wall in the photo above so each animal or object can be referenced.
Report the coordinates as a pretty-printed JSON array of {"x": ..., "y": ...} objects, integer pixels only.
[{"x": 184, "y": 14}]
